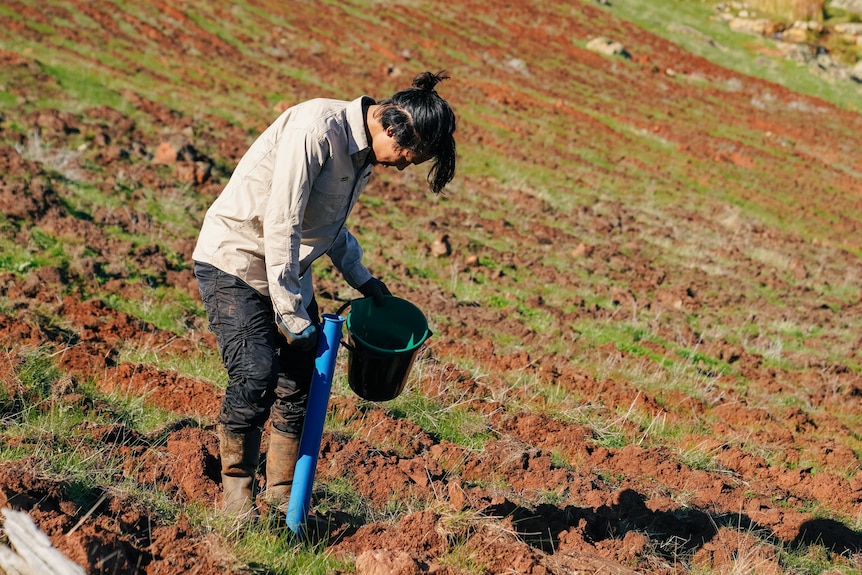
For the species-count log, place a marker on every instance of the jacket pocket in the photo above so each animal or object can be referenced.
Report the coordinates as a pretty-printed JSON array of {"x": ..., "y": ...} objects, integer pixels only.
[{"x": 329, "y": 201}]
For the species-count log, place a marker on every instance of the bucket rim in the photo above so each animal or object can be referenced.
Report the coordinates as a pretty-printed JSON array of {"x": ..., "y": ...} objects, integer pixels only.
[
  {"x": 387, "y": 351},
  {"x": 427, "y": 333}
]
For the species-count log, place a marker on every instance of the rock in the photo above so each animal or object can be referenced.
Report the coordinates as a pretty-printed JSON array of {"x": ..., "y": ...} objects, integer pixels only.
[
  {"x": 795, "y": 36},
  {"x": 810, "y": 25},
  {"x": 608, "y": 47},
  {"x": 582, "y": 250},
  {"x": 193, "y": 172},
  {"x": 789, "y": 9},
  {"x": 758, "y": 26},
  {"x": 166, "y": 153},
  {"x": 441, "y": 246},
  {"x": 851, "y": 28},
  {"x": 518, "y": 65}
]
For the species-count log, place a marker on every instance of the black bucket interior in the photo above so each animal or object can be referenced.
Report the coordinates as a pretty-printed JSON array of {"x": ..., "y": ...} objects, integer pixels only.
[{"x": 383, "y": 341}]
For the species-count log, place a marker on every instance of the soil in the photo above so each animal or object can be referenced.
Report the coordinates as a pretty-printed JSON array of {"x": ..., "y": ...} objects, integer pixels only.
[{"x": 513, "y": 505}]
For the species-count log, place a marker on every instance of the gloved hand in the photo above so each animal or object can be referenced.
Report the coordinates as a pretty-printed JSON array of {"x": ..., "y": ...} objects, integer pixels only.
[
  {"x": 376, "y": 289},
  {"x": 306, "y": 340}
]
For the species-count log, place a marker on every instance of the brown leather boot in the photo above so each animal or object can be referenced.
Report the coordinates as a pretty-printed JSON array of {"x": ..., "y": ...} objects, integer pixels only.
[
  {"x": 280, "y": 465},
  {"x": 240, "y": 453}
]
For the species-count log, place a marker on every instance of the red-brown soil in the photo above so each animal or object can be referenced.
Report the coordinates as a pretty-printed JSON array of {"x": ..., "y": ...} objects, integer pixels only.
[{"x": 546, "y": 495}]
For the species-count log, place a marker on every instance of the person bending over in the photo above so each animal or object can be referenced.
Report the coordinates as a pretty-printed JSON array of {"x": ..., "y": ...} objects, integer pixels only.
[{"x": 284, "y": 206}]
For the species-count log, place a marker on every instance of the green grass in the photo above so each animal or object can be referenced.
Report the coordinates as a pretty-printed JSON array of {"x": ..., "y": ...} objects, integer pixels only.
[
  {"x": 339, "y": 494},
  {"x": 36, "y": 417},
  {"x": 580, "y": 180},
  {"x": 37, "y": 371},
  {"x": 15, "y": 258},
  {"x": 205, "y": 363},
  {"x": 715, "y": 41},
  {"x": 441, "y": 420},
  {"x": 166, "y": 307},
  {"x": 87, "y": 88},
  {"x": 816, "y": 559},
  {"x": 697, "y": 458},
  {"x": 269, "y": 546}
]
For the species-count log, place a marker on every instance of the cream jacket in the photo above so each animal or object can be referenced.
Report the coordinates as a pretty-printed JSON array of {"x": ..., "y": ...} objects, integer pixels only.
[{"x": 287, "y": 202}]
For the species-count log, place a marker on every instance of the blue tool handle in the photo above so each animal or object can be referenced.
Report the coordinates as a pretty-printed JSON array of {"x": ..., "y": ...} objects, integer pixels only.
[{"x": 312, "y": 428}]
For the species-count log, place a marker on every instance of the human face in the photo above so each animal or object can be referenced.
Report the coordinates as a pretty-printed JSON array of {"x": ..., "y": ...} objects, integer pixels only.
[{"x": 387, "y": 152}]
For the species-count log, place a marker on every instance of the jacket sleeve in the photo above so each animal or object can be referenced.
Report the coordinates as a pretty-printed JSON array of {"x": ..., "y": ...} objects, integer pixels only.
[
  {"x": 298, "y": 159},
  {"x": 346, "y": 255}
]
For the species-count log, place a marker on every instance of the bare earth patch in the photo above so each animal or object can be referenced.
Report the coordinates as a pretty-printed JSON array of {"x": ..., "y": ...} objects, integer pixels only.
[{"x": 548, "y": 493}]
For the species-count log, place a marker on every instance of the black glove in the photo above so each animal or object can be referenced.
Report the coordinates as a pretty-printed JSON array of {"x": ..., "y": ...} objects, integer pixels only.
[
  {"x": 306, "y": 340},
  {"x": 376, "y": 289}
]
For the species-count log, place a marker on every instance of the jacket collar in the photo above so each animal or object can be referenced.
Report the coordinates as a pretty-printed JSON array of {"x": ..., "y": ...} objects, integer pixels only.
[{"x": 356, "y": 122}]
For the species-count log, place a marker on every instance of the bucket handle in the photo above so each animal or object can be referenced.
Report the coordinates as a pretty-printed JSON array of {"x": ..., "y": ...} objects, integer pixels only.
[
  {"x": 344, "y": 307},
  {"x": 339, "y": 312}
]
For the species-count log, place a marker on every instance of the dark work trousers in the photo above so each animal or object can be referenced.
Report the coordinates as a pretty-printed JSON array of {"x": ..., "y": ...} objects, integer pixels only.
[{"x": 265, "y": 375}]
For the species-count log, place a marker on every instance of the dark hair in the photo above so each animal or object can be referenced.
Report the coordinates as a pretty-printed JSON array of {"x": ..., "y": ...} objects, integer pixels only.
[{"x": 423, "y": 122}]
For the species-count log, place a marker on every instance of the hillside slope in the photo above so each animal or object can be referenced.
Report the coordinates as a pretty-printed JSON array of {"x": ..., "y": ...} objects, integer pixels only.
[{"x": 646, "y": 351}]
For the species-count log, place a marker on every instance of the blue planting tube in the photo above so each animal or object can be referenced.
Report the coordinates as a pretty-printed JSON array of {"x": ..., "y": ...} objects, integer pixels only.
[{"x": 312, "y": 428}]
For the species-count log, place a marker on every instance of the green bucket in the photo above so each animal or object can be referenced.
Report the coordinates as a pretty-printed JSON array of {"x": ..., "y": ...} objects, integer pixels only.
[{"x": 383, "y": 341}]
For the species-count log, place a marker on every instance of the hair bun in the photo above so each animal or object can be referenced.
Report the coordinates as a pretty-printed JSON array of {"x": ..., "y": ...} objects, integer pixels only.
[{"x": 427, "y": 80}]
